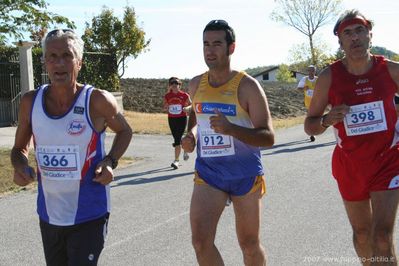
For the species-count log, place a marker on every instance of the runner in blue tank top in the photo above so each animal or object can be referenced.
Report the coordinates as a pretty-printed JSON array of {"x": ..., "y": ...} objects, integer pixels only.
[
  {"x": 67, "y": 121},
  {"x": 229, "y": 121}
]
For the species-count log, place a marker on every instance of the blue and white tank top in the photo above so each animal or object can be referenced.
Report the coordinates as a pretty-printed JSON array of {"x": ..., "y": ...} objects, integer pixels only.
[
  {"x": 67, "y": 150},
  {"x": 222, "y": 156}
]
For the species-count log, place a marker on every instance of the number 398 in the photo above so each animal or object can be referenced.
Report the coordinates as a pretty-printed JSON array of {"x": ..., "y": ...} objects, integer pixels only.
[{"x": 362, "y": 116}]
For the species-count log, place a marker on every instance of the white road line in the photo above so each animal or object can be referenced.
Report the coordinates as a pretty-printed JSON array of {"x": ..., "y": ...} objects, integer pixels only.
[{"x": 115, "y": 244}]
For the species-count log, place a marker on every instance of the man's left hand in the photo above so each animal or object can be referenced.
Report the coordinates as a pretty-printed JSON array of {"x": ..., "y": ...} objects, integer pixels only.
[
  {"x": 104, "y": 173},
  {"x": 219, "y": 123}
]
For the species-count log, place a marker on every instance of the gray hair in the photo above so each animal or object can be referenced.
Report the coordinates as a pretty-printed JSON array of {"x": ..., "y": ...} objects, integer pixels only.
[{"x": 77, "y": 42}]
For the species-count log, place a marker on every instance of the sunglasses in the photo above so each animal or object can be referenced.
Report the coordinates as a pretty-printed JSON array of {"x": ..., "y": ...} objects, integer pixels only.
[
  {"x": 220, "y": 22},
  {"x": 54, "y": 32},
  {"x": 174, "y": 82}
]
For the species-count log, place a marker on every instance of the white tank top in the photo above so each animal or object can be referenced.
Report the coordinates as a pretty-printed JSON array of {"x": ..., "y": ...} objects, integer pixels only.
[{"x": 67, "y": 150}]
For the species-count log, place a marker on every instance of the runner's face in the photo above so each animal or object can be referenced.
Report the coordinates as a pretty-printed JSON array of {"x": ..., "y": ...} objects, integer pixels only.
[
  {"x": 311, "y": 72},
  {"x": 174, "y": 85},
  {"x": 61, "y": 62},
  {"x": 215, "y": 49},
  {"x": 355, "y": 40}
]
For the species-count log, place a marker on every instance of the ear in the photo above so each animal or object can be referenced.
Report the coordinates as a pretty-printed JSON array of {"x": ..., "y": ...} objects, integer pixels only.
[
  {"x": 339, "y": 42},
  {"x": 232, "y": 47},
  {"x": 80, "y": 63}
]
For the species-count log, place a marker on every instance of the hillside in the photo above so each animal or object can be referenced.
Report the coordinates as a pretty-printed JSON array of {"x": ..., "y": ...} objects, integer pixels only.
[{"x": 146, "y": 95}]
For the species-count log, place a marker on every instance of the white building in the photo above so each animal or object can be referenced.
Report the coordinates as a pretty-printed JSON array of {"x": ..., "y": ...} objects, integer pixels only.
[{"x": 271, "y": 73}]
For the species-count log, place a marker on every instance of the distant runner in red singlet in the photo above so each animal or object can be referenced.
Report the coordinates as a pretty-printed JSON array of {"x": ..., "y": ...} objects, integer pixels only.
[
  {"x": 177, "y": 104},
  {"x": 361, "y": 88}
]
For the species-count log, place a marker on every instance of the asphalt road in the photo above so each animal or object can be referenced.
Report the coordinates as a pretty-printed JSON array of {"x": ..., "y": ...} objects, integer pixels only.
[{"x": 303, "y": 221}]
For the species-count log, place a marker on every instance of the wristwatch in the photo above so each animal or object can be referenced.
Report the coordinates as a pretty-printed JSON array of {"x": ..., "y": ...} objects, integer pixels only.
[{"x": 114, "y": 162}]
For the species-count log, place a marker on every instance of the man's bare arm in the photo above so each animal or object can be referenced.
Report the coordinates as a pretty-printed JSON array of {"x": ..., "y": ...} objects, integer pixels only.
[
  {"x": 23, "y": 173},
  {"x": 105, "y": 113}
]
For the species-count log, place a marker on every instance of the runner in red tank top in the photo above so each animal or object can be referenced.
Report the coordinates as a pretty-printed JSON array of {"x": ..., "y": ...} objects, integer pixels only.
[
  {"x": 177, "y": 103},
  {"x": 361, "y": 89}
]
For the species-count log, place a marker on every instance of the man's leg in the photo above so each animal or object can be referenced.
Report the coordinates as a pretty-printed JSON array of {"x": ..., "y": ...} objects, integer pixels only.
[
  {"x": 247, "y": 210},
  {"x": 207, "y": 204},
  {"x": 54, "y": 245},
  {"x": 86, "y": 241},
  {"x": 385, "y": 205},
  {"x": 359, "y": 214}
]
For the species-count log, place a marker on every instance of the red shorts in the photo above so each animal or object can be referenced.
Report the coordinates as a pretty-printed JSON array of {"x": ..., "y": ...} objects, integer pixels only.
[{"x": 356, "y": 179}]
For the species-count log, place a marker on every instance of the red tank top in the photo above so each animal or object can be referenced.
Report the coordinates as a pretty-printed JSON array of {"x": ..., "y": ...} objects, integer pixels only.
[
  {"x": 369, "y": 129},
  {"x": 176, "y": 102}
]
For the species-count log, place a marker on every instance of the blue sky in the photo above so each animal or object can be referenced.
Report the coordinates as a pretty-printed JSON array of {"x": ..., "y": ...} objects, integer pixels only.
[{"x": 175, "y": 28}]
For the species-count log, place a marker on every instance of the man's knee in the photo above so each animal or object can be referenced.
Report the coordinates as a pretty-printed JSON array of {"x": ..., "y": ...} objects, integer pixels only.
[
  {"x": 382, "y": 239},
  {"x": 250, "y": 245},
  {"x": 361, "y": 236},
  {"x": 201, "y": 243}
]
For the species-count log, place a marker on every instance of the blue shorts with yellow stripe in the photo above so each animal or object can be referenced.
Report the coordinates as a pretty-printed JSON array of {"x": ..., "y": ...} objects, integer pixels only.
[{"x": 234, "y": 187}]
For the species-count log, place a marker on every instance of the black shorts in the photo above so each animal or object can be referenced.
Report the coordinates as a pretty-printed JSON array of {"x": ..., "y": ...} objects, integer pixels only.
[
  {"x": 79, "y": 244},
  {"x": 177, "y": 126}
]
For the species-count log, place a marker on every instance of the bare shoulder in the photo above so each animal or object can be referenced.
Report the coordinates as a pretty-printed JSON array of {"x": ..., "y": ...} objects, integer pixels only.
[
  {"x": 393, "y": 68},
  {"x": 324, "y": 78},
  {"x": 27, "y": 101},
  {"x": 103, "y": 102},
  {"x": 193, "y": 85},
  {"x": 250, "y": 85},
  {"x": 99, "y": 95},
  {"x": 29, "y": 96}
]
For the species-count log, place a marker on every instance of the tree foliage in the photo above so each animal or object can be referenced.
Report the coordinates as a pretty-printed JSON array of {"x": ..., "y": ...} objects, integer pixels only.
[
  {"x": 284, "y": 74},
  {"x": 300, "y": 57},
  {"x": 20, "y": 16},
  {"x": 307, "y": 16},
  {"x": 108, "y": 34}
]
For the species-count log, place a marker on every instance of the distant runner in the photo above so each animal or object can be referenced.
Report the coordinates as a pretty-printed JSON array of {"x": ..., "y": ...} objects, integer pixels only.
[
  {"x": 307, "y": 84},
  {"x": 177, "y": 104}
]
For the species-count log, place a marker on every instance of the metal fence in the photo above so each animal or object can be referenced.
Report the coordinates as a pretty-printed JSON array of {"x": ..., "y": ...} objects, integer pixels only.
[{"x": 10, "y": 93}]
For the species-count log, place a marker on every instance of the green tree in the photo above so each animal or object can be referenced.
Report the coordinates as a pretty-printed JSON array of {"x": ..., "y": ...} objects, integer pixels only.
[
  {"x": 20, "y": 16},
  {"x": 284, "y": 74},
  {"x": 107, "y": 34},
  {"x": 307, "y": 16},
  {"x": 300, "y": 57}
]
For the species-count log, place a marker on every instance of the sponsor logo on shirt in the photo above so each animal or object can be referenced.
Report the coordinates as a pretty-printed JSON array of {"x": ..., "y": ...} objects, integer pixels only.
[
  {"x": 394, "y": 182},
  {"x": 210, "y": 108},
  {"x": 76, "y": 127},
  {"x": 363, "y": 91},
  {"x": 227, "y": 92},
  {"x": 78, "y": 110},
  {"x": 362, "y": 81}
]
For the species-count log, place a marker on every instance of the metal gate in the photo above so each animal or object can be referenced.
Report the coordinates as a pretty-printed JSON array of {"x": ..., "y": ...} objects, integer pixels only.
[{"x": 10, "y": 93}]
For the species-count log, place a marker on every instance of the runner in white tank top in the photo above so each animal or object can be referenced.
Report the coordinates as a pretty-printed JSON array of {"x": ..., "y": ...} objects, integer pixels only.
[{"x": 67, "y": 121}]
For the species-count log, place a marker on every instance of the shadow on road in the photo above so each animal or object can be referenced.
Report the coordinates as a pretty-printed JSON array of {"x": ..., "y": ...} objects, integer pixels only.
[
  {"x": 143, "y": 180},
  {"x": 311, "y": 145},
  {"x": 287, "y": 144}
]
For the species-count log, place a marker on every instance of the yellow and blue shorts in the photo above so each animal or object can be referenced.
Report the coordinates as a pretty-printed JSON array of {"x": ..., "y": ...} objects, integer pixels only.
[{"x": 234, "y": 187}]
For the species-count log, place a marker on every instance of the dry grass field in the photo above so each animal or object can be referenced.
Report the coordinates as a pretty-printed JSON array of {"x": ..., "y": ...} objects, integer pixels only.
[{"x": 143, "y": 123}]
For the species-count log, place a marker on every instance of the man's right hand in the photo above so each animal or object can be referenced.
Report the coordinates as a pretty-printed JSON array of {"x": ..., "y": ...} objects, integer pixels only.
[
  {"x": 24, "y": 176},
  {"x": 188, "y": 142}
]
